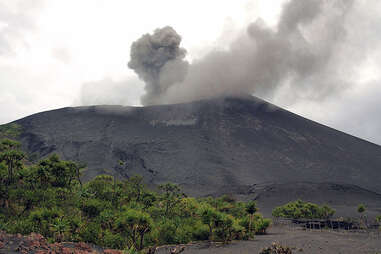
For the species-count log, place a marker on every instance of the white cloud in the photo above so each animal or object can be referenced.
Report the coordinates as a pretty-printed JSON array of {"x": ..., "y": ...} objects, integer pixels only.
[
  {"x": 48, "y": 49},
  {"x": 110, "y": 92}
]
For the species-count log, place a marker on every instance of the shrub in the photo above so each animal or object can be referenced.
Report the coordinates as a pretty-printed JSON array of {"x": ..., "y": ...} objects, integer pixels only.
[
  {"x": 261, "y": 225},
  {"x": 361, "y": 208},
  {"x": 134, "y": 225},
  {"x": 184, "y": 234},
  {"x": 113, "y": 240},
  {"x": 42, "y": 220},
  {"x": 200, "y": 232},
  {"x": 224, "y": 226},
  {"x": 92, "y": 207},
  {"x": 276, "y": 249},
  {"x": 166, "y": 232},
  {"x": 101, "y": 187},
  {"x": 22, "y": 226},
  {"x": 303, "y": 210},
  {"x": 90, "y": 232}
]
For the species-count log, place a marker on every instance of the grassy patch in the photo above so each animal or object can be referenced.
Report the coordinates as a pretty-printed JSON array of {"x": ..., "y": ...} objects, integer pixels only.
[{"x": 11, "y": 130}]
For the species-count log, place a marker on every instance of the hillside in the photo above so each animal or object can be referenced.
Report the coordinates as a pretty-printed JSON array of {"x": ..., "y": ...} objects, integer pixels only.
[{"x": 235, "y": 145}]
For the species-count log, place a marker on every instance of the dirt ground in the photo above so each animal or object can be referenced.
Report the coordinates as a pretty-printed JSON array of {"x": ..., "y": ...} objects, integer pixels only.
[{"x": 300, "y": 240}]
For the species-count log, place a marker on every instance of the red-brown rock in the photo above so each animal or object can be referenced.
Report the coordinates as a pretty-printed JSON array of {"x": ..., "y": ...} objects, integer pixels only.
[{"x": 110, "y": 251}]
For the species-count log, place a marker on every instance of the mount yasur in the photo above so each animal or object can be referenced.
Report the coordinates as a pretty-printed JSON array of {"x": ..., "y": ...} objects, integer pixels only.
[{"x": 238, "y": 145}]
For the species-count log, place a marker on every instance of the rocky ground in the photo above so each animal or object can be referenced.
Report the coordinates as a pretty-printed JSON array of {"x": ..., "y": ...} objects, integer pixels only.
[
  {"x": 301, "y": 241},
  {"x": 298, "y": 239},
  {"x": 37, "y": 244}
]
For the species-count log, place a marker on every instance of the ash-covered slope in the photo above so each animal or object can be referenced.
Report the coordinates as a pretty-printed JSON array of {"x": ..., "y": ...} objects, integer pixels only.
[{"x": 215, "y": 146}]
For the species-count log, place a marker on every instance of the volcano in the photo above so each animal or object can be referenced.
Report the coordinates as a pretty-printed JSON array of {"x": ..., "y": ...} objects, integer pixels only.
[{"x": 241, "y": 146}]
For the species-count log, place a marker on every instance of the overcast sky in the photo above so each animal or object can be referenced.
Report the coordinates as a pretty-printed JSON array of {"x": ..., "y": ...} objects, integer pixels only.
[{"x": 56, "y": 53}]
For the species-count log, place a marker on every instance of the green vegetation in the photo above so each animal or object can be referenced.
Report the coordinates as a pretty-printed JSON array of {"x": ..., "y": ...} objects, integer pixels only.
[
  {"x": 378, "y": 220},
  {"x": 48, "y": 198},
  {"x": 361, "y": 208},
  {"x": 11, "y": 130},
  {"x": 303, "y": 210}
]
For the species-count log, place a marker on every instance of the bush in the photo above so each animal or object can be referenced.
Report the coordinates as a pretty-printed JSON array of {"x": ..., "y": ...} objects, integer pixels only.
[
  {"x": 113, "y": 240},
  {"x": 42, "y": 220},
  {"x": 166, "y": 232},
  {"x": 259, "y": 224},
  {"x": 90, "y": 232},
  {"x": 22, "y": 226},
  {"x": 102, "y": 187},
  {"x": 303, "y": 210},
  {"x": 361, "y": 208},
  {"x": 134, "y": 225},
  {"x": 92, "y": 207},
  {"x": 184, "y": 234},
  {"x": 224, "y": 227},
  {"x": 200, "y": 232}
]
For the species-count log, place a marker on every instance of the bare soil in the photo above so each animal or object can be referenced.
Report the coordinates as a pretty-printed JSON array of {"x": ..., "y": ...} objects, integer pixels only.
[{"x": 300, "y": 240}]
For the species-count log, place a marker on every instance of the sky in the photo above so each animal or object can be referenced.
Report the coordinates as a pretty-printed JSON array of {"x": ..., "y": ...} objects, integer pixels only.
[{"x": 57, "y": 53}]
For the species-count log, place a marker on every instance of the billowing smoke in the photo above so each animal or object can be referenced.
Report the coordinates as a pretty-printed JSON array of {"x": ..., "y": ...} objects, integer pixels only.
[
  {"x": 302, "y": 54},
  {"x": 159, "y": 61}
]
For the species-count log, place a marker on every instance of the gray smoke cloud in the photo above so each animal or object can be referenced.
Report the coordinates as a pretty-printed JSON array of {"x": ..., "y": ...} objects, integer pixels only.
[
  {"x": 159, "y": 62},
  {"x": 302, "y": 54}
]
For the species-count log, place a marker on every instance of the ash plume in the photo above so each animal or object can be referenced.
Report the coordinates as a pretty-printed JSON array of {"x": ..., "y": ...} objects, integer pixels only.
[
  {"x": 159, "y": 62},
  {"x": 302, "y": 54}
]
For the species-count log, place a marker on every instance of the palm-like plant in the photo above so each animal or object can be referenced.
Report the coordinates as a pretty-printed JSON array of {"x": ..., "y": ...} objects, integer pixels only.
[{"x": 60, "y": 226}]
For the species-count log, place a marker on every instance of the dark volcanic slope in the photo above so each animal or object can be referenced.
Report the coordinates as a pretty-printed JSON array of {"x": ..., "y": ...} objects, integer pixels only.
[{"x": 219, "y": 145}]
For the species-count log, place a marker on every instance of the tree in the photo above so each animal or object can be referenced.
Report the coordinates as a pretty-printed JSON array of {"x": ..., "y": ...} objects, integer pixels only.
[
  {"x": 135, "y": 188},
  {"x": 224, "y": 225},
  {"x": 60, "y": 227},
  {"x": 134, "y": 224},
  {"x": 209, "y": 216},
  {"x": 102, "y": 187},
  {"x": 251, "y": 208},
  {"x": 361, "y": 209},
  {"x": 299, "y": 209},
  {"x": 4, "y": 194},
  {"x": 10, "y": 162},
  {"x": 378, "y": 220},
  {"x": 56, "y": 173},
  {"x": 12, "y": 157},
  {"x": 78, "y": 168},
  {"x": 326, "y": 212},
  {"x": 171, "y": 196}
]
